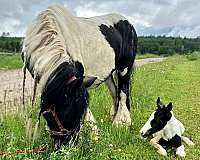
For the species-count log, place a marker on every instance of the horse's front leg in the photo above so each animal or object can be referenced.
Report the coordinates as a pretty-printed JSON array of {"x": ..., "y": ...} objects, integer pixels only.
[{"x": 89, "y": 118}]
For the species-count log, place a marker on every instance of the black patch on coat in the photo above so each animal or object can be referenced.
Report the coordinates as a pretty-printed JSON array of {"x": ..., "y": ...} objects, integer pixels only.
[
  {"x": 123, "y": 39},
  {"x": 174, "y": 142},
  {"x": 69, "y": 100}
]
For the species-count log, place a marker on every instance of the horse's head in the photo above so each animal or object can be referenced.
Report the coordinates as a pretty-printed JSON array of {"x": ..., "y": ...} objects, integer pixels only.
[
  {"x": 63, "y": 102},
  {"x": 157, "y": 120}
]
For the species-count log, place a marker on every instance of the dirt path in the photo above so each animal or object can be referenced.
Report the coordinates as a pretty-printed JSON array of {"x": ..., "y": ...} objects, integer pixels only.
[{"x": 11, "y": 83}]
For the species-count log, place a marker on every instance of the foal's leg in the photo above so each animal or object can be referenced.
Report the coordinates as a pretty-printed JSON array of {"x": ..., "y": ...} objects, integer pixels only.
[
  {"x": 123, "y": 114},
  {"x": 180, "y": 151},
  {"x": 155, "y": 142}
]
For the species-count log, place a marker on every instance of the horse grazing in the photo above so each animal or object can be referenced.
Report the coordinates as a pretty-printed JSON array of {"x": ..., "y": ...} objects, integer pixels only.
[
  {"x": 166, "y": 130},
  {"x": 66, "y": 54}
]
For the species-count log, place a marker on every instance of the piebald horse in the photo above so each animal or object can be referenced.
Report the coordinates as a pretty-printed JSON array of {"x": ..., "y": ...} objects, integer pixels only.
[
  {"x": 66, "y": 54},
  {"x": 167, "y": 131}
]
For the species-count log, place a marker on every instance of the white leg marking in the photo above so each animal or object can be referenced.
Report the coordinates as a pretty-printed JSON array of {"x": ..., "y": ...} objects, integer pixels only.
[
  {"x": 180, "y": 151},
  {"x": 124, "y": 71},
  {"x": 187, "y": 141},
  {"x": 154, "y": 141},
  {"x": 92, "y": 122},
  {"x": 123, "y": 114},
  {"x": 111, "y": 86}
]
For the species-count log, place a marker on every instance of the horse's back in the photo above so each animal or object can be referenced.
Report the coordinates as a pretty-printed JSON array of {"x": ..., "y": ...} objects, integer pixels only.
[
  {"x": 58, "y": 36},
  {"x": 111, "y": 36}
]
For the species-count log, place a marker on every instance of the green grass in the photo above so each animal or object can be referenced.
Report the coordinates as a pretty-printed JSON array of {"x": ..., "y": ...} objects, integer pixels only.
[
  {"x": 193, "y": 56},
  {"x": 177, "y": 79},
  {"x": 12, "y": 61},
  {"x": 147, "y": 55}
]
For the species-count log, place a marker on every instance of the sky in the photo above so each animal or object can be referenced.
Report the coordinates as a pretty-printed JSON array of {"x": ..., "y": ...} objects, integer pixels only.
[{"x": 149, "y": 17}]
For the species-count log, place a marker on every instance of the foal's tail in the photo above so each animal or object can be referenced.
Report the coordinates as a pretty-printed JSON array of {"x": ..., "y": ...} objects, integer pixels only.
[{"x": 187, "y": 141}]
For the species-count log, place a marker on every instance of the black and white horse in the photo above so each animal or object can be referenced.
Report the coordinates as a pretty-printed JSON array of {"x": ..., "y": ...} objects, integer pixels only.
[
  {"x": 166, "y": 130},
  {"x": 66, "y": 54}
]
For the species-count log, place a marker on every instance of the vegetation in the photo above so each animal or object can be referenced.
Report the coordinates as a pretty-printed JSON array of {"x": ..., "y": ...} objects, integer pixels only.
[
  {"x": 10, "y": 61},
  {"x": 160, "y": 45},
  {"x": 176, "y": 80},
  {"x": 10, "y": 44},
  {"x": 147, "y": 55},
  {"x": 167, "y": 45},
  {"x": 13, "y": 61}
]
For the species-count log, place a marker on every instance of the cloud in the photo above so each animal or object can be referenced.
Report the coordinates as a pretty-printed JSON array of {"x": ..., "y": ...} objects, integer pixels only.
[{"x": 153, "y": 17}]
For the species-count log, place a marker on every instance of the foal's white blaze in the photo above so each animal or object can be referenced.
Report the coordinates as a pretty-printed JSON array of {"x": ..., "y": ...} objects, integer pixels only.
[
  {"x": 123, "y": 114},
  {"x": 147, "y": 125}
]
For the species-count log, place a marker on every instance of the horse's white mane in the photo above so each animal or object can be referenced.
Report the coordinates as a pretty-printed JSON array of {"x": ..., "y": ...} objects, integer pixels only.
[{"x": 45, "y": 46}]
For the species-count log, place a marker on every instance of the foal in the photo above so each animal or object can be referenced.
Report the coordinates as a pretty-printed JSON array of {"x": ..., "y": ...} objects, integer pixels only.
[{"x": 166, "y": 130}]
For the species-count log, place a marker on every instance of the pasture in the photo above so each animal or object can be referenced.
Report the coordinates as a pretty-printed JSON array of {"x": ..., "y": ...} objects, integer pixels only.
[
  {"x": 177, "y": 79},
  {"x": 10, "y": 61}
]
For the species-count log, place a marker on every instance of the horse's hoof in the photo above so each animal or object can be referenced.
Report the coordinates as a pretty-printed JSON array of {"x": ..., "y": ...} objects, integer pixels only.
[
  {"x": 162, "y": 152},
  {"x": 122, "y": 122}
]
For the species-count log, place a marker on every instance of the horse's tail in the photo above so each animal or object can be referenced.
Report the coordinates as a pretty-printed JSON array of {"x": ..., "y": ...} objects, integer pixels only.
[{"x": 187, "y": 141}]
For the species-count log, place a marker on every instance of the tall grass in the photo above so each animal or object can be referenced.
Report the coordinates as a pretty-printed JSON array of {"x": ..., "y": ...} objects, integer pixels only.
[{"x": 176, "y": 79}]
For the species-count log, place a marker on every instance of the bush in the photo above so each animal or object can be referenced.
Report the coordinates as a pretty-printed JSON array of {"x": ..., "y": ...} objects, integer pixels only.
[{"x": 193, "y": 56}]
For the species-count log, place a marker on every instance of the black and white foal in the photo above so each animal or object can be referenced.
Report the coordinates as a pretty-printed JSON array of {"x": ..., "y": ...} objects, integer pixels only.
[{"x": 166, "y": 130}]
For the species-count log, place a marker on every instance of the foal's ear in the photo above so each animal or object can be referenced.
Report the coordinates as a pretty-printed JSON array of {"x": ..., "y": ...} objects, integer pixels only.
[
  {"x": 89, "y": 81},
  {"x": 169, "y": 107}
]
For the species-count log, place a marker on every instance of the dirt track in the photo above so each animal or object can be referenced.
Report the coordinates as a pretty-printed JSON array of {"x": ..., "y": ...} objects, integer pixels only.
[{"x": 11, "y": 82}]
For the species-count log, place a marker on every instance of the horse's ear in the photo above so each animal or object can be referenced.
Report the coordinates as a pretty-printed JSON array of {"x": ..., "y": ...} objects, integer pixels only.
[
  {"x": 89, "y": 81},
  {"x": 79, "y": 69},
  {"x": 169, "y": 107},
  {"x": 158, "y": 102}
]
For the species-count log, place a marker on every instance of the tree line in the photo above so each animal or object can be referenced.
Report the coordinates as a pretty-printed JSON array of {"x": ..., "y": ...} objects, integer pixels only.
[
  {"x": 146, "y": 44},
  {"x": 10, "y": 44},
  {"x": 167, "y": 45}
]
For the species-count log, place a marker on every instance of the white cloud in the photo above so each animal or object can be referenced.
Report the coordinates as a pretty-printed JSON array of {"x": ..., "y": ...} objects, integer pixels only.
[{"x": 153, "y": 17}]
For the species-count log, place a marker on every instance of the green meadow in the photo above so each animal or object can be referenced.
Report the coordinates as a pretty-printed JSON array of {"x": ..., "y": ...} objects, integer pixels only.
[
  {"x": 10, "y": 61},
  {"x": 176, "y": 80}
]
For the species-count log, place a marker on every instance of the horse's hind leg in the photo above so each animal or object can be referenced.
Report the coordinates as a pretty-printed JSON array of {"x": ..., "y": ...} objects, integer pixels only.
[
  {"x": 123, "y": 115},
  {"x": 112, "y": 86}
]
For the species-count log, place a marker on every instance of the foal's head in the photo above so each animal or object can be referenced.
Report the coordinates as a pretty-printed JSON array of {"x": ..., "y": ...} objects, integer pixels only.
[
  {"x": 157, "y": 120},
  {"x": 64, "y": 101}
]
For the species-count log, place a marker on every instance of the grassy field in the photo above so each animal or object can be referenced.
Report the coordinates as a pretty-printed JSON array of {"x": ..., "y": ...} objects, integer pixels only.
[
  {"x": 13, "y": 61},
  {"x": 148, "y": 55},
  {"x": 10, "y": 61},
  {"x": 177, "y": 79}
]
